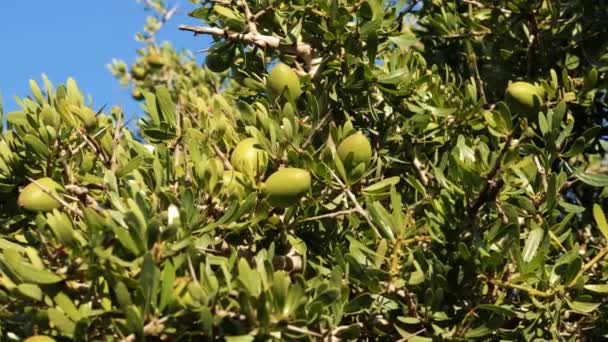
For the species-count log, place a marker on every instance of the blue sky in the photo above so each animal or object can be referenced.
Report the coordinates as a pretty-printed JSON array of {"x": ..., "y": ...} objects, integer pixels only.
[{"x": 77, "y": 38}]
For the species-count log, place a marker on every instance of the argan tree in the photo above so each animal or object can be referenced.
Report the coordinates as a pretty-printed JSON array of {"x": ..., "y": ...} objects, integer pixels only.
[{"x": 328, "y": 170}]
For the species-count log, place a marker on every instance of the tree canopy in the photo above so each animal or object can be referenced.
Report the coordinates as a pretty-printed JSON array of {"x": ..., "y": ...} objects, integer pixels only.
[{"x": 333, "y": 170}]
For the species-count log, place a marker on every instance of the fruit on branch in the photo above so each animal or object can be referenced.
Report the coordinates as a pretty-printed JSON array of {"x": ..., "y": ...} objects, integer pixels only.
[
  {"x": 155, "y": 60},
  {"x": 33, "y": 198},
  {"x": 39, "y": 338},
  {"x": 50, "y": 117},
  {"x": 236, "y": 184},
  {"x": 282, "y": 77},
  {"x": 217, "y": 62},
  {"x": 355, "y": 152},
  {"x": 249, "y": 159},
  {"x": 523, "y": 98},
  {"x": 86, "y": 115},
  {"x": 286, "y": 186},
  {"x": 138, "y": 72},
  {"x": 137, "y": 94}
]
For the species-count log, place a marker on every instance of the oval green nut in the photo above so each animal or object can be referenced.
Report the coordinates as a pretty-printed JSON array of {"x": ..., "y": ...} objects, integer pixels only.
[
  {"x": 286, "y": 186},
  {"x": 354, "y": 151},
  {"x": 33, "y": 198},
  {"x": 218, "y": 62},
  {"x": 281, "y": 77},
  {"x": 523, "y": 98},
  {"x": 248, "y": 159},
  {"x": 39, "y": 338}
]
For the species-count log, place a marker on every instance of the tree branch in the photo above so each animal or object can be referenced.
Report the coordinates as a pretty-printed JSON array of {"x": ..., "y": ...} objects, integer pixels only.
[
  {"x": 315, "y": 130},
  {"x": 358, "y": 206},
  {"x": 300, "y": 49},
  {"x": 222, "y": 156},
  {"x": 329, "y": 215}
]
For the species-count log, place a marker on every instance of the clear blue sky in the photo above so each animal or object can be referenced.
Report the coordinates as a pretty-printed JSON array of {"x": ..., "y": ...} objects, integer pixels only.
[{"x": 77, "y": 38}]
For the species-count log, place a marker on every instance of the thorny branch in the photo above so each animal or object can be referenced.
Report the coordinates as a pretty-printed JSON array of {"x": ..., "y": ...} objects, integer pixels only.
[{"x": 358, "y": 206}]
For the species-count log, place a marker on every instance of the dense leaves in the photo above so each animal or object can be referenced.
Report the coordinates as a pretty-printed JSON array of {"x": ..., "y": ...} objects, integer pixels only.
[{"x": 470, "y": 219}]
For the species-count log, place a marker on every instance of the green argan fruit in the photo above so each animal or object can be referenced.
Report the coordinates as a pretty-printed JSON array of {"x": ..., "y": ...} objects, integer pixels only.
[
  {"x": 39, "y": 338},
  {"x": 155, "y": 60},
  {"x": 86, "y": 115},
  {"x": 590, "y": 79},
  {"x": 34, "y": 198},
  {"x": 236, "y": 184},
  {"x": 218, "y": 61},
  {"x": 50, "y": 117},
  {"x": 138, "y": 72},
  {"x": 354, "y": 151},
  {"x": 248, "y": 159},
  {"x": 281, "y": 77},
  {"x": 137, "y": 94},
  {"x": 286, "y": 186},
  {"x": 523, "y": 98}
]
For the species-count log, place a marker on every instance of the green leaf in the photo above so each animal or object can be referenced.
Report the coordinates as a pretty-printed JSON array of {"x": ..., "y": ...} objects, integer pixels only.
[
  {"x": 381, "y": 186},
  {"x": 148, "y": 281},
  {"x": 200, "y": 13},
  {"x": 131, "y": 165},
  {"x": 249, "y": 278},
  {"x": 37, "y": 145},
  {"x": 600, "y": 219},
  {"x": 30, "y": 290},
  {"x": 166, "y": 105},
  {"x": 583, "y": 307},
  {"x": 67, "y": 306},
  {"x": 534, "y": 239},
  {"x": 599, "y": 288},
  {"x": 61, "y": 321},
  {"x": 359, "y": 304},
  {"x": 28, "y": 273},
  {"x": 383, "y": 220},
  {"x": 596, "y": 180},
  {"x": 167, "y": 283},
  {"x": 36, "y": 91},
  {"x": 122, "y": 295}
]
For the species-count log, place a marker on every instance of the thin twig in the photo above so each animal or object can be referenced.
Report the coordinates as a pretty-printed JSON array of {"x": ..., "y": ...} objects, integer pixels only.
[
  {"x": 94, "y": 145},
  {"x": 597, "y": 258},
  {"x": 529, "y": 290},
  {"x": 115, "y": 142},
  {"x": 222, "y": 156},
  {"x": 358, "y": 206},
  {"x": 303, "y": 331},
  {"x": 261, "y": 12},
  {"x": 421, "y": 171},
  {"x": 65, "y": 204},
  {"x": 478, "y": 80},
  {"x": 329, "y": 215},
  {"x": 85, "y": 143},
  {"x": 192, "y": 272},
  {"x": 315, "y": 130},
  {"x": 153, "y": 328},
  {"x": 248, "y": 16}
]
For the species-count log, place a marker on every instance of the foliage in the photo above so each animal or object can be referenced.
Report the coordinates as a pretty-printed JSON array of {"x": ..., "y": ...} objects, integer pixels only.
[{"x": 472, "y": 221}]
